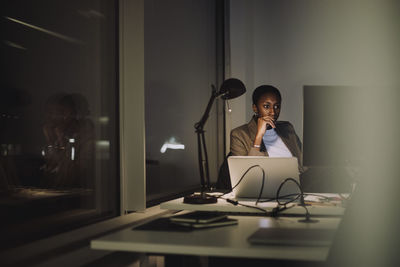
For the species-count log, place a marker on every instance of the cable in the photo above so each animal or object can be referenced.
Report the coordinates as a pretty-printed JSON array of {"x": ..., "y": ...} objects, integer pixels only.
[
  {"x": 297, "y": 196},
  {"x": 241, "y": 178},
  {"x": 275, "y": 211},
  {"x": 280, "y": 187},
  {"x": 262, "y": 185},
  {"x": 235, "y": 202},
  {"x": 285, "y": 196},
  {"x": 301, "y": 195},
  {"x": 278, "y": 209},
  {"x": 244, "y": 174}
]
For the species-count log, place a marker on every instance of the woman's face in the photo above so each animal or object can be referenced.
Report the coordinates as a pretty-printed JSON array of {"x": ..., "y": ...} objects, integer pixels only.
[{"x": 269, "y": 105}]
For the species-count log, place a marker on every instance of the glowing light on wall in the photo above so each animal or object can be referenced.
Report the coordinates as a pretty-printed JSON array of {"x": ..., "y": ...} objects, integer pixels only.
[{"x": 171, "y": 144}]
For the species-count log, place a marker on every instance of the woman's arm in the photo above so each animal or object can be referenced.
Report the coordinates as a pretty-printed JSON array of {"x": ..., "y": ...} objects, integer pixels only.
[
  {"x": 243, "y": 145},
  {"x": 262, "y": 125},
  {"x": 238, "y": 147}
]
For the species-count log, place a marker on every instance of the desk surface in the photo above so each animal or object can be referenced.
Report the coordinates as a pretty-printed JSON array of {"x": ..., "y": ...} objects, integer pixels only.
[
  {"x": 224, "y": 206},
  {"x": 227, "y": 241}
]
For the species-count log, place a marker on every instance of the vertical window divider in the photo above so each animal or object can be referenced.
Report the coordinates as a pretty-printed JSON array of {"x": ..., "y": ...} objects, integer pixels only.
[{"x": 132, "y": 124}]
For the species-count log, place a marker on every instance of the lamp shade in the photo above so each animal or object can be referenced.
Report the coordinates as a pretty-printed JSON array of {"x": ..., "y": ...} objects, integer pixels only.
[{"x": 231, "y": 88}]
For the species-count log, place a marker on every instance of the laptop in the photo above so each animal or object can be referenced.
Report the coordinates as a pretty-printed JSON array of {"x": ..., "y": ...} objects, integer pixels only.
[
  {"x": 276, "y": 171},
  {"x": 292, "y": 236}
]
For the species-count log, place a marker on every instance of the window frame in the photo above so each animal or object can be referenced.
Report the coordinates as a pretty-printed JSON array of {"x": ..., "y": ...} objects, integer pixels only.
[{"x": 131, "y": 89}]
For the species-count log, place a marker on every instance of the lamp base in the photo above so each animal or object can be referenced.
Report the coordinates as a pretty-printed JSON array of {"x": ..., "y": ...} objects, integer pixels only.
[
  {"x": 308, "y": 221},
  {"x": 199, "y": 199}
]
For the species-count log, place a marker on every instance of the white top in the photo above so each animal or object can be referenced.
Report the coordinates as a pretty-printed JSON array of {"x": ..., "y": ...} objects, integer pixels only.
[{"x": 274, "y": 145}]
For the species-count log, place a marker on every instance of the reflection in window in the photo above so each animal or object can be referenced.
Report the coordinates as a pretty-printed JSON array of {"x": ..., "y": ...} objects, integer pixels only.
[
  {"x": 58, "y": 164},
  {"x": 171, "y": 144},
  {"x": 69, "y": 137}
]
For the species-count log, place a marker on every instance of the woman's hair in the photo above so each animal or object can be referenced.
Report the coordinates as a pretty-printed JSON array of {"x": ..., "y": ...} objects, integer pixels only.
[{"x": 265, "y": 89}]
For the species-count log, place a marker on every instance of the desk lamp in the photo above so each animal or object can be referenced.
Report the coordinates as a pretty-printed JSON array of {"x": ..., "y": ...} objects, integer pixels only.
[{"x": 230, "y": 88}]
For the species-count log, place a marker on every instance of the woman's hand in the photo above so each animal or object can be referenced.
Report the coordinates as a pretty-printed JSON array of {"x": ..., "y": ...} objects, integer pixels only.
[{"x": 263, "y": 123}]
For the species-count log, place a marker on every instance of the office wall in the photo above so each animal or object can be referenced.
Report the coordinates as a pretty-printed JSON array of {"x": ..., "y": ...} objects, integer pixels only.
[
  {"x": 290, "y": 44},
  {"x": 295, "y": 43}
]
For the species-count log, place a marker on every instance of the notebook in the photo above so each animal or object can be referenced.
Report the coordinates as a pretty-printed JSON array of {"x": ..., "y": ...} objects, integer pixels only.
[{"x": 276, "y": 171}]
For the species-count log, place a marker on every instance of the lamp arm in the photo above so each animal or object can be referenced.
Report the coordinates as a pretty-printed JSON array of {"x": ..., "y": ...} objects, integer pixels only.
[{"x": 199, "y": 125}]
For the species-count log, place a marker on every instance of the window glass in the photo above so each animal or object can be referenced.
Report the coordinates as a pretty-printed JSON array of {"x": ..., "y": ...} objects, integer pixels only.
[
  {"x": 58, "y": 127},
  {"x": 180, "y": 66}
]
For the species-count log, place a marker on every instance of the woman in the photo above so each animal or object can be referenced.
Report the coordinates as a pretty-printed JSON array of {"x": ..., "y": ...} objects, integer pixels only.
[{"x": 264, "y": 135}]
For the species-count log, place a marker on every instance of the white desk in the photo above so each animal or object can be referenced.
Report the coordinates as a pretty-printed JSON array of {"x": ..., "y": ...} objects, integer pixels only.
[
  {"x": 227, "y": 241},
  {"x": 224, "y": 206}
]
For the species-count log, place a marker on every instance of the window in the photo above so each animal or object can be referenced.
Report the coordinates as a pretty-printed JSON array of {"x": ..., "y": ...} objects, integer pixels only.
[
  {"x": 180, "y": 66},
  {"x": 58, "y": 119}
]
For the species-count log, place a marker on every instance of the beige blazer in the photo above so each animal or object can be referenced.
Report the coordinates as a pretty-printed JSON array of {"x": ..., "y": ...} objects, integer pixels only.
[{"x": 242, "y": 139}]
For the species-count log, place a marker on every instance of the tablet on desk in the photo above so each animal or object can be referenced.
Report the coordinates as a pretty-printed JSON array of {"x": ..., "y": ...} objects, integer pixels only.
[
  {"x": 198, "y": 217},
  {"x": 219, "y": 223}
]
